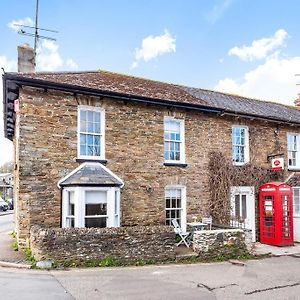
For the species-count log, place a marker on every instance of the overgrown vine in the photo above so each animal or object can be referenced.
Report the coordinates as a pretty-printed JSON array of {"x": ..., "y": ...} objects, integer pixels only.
[{"x": 223, "y": 175}]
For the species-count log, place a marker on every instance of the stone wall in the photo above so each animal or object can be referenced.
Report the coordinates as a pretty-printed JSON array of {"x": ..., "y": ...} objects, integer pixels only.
[
  {"x": 222, "y": 243},
  {"x": 134, "y": 150},
  {"x": 84, "y": 244}
]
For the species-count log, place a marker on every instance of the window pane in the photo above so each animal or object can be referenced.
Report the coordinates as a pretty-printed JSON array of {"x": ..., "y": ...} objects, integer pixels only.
[
  {"x": 94, "y": 197},
  {"x": 95, "y": 222},
  {"x": 97, "y": 127},
  {"x": 97, "y": 140},
  {"x": 83, "y": 126},
  {"x": 97, "y": 116},
  {"x": 95, "y": 209},
  {"x": 90, "y": 127},
  {"x": 90, "y": 116},
  {"x": 82, "y": 139},
  {"x": 83, "y": 115},
  {"x": 83, "y": 150}
]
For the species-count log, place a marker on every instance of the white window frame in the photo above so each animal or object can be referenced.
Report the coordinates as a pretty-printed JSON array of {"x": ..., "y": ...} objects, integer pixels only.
[
  {"x": 102, "y": 132},
  {"x": 181, "y": 142},
  {"x": 112, "y": 200},
  {"x": 183, "y": 203},
  {"x": 246, "y": 146},
  {"x": 294, "y": 213},
  {"x": 297, "y": 166}
]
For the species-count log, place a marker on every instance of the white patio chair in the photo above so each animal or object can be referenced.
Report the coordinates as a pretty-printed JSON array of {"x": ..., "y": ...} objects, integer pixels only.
[
  {"x": 207, "y": 222},
  {"x": 183, "y": 235}
]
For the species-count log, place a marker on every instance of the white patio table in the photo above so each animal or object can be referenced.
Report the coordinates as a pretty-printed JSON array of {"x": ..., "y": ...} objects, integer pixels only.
[{"x": 196, "y": 225}]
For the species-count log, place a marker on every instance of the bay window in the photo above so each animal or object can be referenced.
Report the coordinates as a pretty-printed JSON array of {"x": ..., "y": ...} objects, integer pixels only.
[{"x": 91, "y": 207}]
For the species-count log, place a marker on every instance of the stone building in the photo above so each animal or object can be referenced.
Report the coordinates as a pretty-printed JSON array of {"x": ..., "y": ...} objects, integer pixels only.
[{"x": 100, "y": 149}]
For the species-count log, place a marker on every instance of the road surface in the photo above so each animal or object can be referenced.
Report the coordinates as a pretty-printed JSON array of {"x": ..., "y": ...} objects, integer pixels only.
[{"x": 271, "y": 278}]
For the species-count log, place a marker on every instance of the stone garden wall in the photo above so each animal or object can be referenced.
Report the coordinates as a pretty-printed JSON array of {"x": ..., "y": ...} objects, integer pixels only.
[
  {"x": 85, "y": 244},
  {"x": 222, "y": 242}
]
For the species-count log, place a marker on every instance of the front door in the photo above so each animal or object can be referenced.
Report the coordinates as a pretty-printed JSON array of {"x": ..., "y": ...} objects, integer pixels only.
[
  {"x": 243, "y": 208},
  {"x": 296, "y": 213}
]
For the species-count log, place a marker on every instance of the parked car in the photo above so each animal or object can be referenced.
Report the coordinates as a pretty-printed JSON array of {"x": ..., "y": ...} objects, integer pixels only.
[
  {"x": 10, "y": 204},
  {"x": 3, "y": 205}
]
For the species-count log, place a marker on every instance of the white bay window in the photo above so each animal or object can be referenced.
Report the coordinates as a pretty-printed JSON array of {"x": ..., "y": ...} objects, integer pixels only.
[
  {"x": 91, "y": 197},
  {"x": 91, "y": 207}
]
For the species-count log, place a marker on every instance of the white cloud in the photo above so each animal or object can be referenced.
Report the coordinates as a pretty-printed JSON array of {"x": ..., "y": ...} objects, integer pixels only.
[
  {"x": 70, "y": 63},
  {"x": 153, "y": 46},
  {"x": 26, "y": 21},
  {"x": 217, "y": 11},
  {"x": 274, "y": 80},
  {"x": 260, "y": 48},
  {"x": 48, "y": 57}
]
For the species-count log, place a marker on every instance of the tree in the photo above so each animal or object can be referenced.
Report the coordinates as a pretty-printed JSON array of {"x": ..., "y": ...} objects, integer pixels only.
[{"x": 7, "y": 167}]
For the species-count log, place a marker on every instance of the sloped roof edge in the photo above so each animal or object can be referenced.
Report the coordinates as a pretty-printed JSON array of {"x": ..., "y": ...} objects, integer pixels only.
[{"x": 91, "y": 164}]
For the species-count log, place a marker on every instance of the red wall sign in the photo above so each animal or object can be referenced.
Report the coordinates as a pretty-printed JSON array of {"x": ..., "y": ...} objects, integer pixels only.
[{"x": 277, "y": 164}]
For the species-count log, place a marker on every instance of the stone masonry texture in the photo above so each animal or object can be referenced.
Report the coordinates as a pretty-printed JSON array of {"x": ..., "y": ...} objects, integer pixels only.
[
  {"x": 46, "y": 143},
  {"x": 84, "y": 244},
  {"x": 222, "y": 242}
]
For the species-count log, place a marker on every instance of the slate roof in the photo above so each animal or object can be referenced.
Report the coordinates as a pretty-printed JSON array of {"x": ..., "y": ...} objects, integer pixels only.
[
  {"x": 119, "y": 83},
  {"x": 130, "y": 88},
  {"x": 94, "y": 174},
  {"x": 247, "y": 106}
]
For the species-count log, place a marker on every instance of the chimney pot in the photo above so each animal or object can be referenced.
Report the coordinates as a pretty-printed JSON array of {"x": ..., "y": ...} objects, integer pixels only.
[{"x": 26, "y": 59}]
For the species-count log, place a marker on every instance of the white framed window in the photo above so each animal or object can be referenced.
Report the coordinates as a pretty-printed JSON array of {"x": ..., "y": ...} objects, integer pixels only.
[
  {"x": 293, "y": 150},
  {"x": 240, "y": 145},
  {"x": 91, "y": 207},
  {"x": 296, "y": 201},
  {"x": 175, "y": 205},
  {"x": 91, "y": 132},
  {"x": 174, "y": 140}
]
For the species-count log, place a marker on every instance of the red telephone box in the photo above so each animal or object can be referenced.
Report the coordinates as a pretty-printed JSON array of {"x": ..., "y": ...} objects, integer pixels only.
[{"x": 276, "y": 214}]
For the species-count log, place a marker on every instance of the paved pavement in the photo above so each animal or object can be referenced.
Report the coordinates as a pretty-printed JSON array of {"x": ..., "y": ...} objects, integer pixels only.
[
  {"x": 271, "y": 278},
  {"x": 277, "y": 251},
  {"x": 6, "y": 252}
]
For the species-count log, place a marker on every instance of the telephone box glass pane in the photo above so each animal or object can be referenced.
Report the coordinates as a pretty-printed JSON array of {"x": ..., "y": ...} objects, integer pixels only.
[{"x": 285, "y": 216}]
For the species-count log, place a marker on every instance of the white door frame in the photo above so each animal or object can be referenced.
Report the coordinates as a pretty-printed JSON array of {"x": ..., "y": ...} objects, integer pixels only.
[
  {"x": 296, "y": 219},
  {"x": 250, "y": 205}
]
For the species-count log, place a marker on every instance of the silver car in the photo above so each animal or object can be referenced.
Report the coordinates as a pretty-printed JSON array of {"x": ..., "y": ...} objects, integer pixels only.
[{"x": 3, "y": 205}]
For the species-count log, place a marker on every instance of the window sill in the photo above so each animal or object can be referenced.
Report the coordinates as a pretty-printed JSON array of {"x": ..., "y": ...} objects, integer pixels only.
[
  {"x": 82, "y": 160},
  {"x": 293, "y": 169},
  {"x": 240, "y": 164},
  {"x": 174, "y": 164}
]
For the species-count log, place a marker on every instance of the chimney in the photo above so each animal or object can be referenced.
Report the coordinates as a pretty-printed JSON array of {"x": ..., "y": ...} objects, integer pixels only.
[
  {"x": 297, "y": 101},
  {"x": 26, "y": 59}
]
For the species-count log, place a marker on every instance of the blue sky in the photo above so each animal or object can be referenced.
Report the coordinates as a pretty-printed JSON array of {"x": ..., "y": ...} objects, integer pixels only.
[{"x": 246, "y": 47}]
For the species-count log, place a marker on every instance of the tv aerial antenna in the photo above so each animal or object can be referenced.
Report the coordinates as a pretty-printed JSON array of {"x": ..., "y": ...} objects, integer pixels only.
[{"x": 33, "y": 31}]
